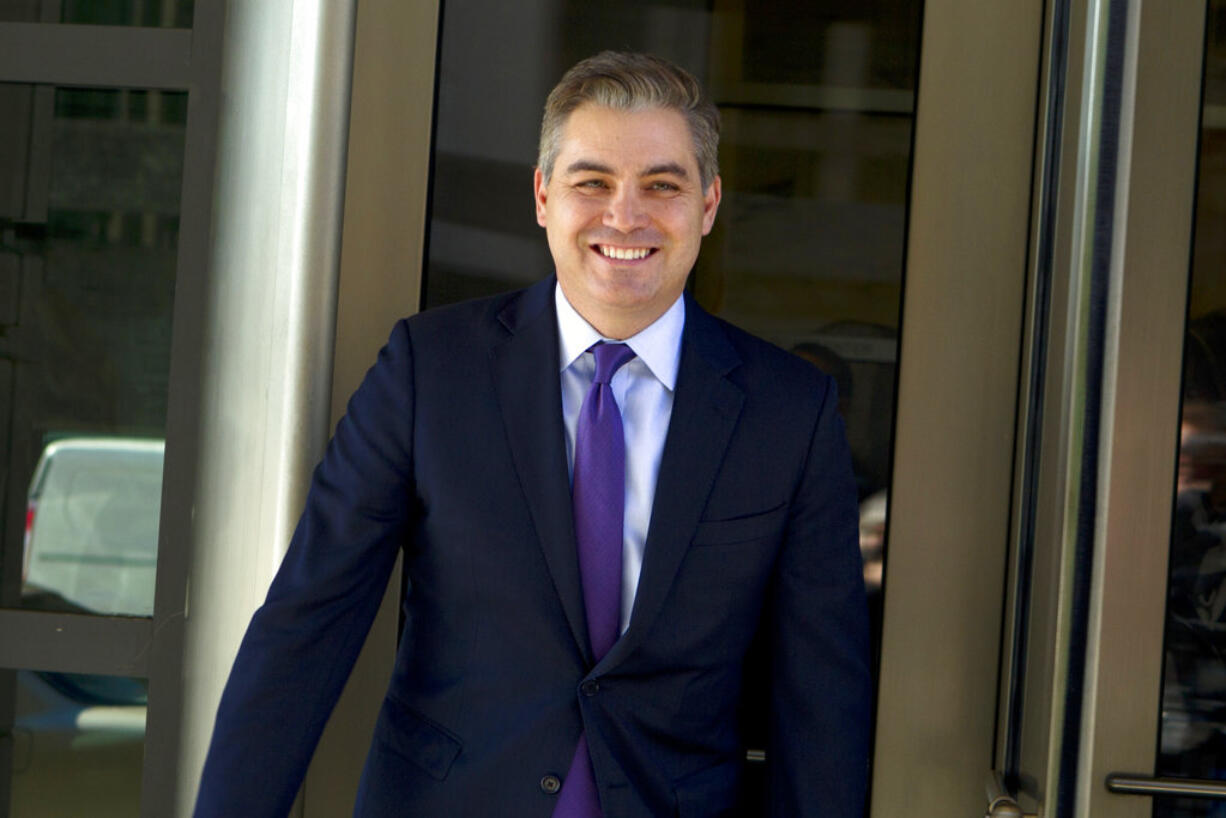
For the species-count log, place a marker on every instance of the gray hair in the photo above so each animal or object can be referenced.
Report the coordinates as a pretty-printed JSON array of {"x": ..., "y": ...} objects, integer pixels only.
[{"x": 629, "y": 81}]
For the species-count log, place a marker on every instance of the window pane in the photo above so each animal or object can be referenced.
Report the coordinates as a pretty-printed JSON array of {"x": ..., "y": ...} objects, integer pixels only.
[
  {"x": 1193, "y": 728},
  {"x": 148, "y": 13},
  {"x": 89, "y": 193},
  {"x": 78, "y": 744}
]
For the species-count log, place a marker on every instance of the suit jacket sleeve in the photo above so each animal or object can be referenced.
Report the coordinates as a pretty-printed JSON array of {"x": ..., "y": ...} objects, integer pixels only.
[
  {"x": 302, "y": 643},
  {"x": 821, "y": 686}
]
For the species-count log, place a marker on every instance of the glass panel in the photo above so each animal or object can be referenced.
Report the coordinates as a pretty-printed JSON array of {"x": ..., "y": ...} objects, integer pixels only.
[
  {"x": 148, "y": 13},
  {"x": 78, "y": 744},
  {"x": 807, "y": 251},
  {"x": 89, "y": 199},
  {"x": 1193, "y": 733}
]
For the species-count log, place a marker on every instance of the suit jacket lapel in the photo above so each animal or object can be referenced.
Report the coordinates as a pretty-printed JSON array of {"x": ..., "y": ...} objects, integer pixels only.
[
  {"x": 526, "y": 375},
  {"x": 706, "y": 406}
]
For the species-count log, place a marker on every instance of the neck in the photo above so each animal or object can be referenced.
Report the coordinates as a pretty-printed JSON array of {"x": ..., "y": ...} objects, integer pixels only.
[{"x": 617, "y": 330}]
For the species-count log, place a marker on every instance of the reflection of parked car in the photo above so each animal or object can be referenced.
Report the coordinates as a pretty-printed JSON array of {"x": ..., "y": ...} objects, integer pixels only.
[
  {"x": 78, "y": 742},
  {"x": 91, "y": 547},
  {"x": 92, "y": 524}
]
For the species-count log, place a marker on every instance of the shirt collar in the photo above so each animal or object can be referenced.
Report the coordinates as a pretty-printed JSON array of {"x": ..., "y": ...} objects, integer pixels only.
[{"x": 658, "y": 345}]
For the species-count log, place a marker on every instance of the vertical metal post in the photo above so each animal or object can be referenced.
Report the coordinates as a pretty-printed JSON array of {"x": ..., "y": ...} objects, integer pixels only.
[{"x": 268, "y": 327}]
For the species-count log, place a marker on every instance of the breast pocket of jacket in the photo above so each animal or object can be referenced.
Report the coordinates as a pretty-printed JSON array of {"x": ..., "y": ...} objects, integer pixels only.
[{"x": 743, "y": 528}]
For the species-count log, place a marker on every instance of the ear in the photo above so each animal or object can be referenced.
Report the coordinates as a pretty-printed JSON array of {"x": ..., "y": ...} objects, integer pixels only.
[
  {"x": 710, "y": 204},
  {"x": 538, "y": 190}
]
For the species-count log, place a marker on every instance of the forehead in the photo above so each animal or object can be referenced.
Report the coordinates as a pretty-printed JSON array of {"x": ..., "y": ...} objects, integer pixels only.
[{"x": 626, "y": 140}]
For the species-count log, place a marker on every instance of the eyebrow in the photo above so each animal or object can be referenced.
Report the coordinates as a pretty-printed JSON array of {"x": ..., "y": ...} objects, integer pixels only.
[
  {"x": 588, "y": 166},
  {"x": 666, "y": 168},
  {"x": 585, "y": 165}
]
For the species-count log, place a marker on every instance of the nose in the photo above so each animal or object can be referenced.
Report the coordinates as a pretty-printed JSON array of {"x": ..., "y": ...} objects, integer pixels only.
[{"x": 626, "y": 211}]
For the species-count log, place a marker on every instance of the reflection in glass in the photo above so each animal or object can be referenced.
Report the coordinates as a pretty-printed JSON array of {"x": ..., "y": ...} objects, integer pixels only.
[
  {"x": 89, "y": 220},
  {"x": 1192, "y": 741},
  {"x": 92, "y": 526},
  {"x": 78, "y": 745}
]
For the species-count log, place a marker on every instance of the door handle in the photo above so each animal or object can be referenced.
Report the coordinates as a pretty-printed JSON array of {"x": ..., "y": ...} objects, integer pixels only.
[
  {"x": 1001, "y": 804},
  {"x": 1134, "y": 784}
]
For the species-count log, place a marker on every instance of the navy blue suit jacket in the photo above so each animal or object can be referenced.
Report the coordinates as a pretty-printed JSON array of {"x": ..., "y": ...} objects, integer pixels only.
[{"x": 453, "y": 451}]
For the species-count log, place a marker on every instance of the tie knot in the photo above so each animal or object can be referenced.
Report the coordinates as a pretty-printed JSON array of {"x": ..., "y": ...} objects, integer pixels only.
[{"x": 609, "y": 359}]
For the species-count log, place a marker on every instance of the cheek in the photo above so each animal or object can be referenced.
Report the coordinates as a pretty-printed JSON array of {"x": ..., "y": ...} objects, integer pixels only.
[
  {"x": 575, "y": 218},
  {"x": 686, "y": 223}
]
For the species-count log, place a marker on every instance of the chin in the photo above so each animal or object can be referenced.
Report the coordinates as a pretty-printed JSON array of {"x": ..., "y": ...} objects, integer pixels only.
[{"x": 627, "y": 299}]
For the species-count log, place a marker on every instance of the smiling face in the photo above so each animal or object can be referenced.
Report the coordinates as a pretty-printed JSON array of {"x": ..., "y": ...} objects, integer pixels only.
[{"x": 624, "y": 212}]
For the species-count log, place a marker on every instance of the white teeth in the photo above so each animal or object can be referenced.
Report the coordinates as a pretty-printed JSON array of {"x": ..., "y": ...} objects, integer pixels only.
[{"x": 624, "y": 253}]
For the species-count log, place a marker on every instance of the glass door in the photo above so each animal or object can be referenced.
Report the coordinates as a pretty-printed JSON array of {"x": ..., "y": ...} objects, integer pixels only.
[
  {"x": 817, "y": 103},
  {"x": 860, "y": 139},
  {"x": 1192, "y": 715},
  {"x": 1096, "y": 486}
]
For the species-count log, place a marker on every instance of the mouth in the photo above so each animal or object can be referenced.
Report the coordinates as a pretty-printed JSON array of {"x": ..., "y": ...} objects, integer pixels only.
[{"x": 615, "y": 253}]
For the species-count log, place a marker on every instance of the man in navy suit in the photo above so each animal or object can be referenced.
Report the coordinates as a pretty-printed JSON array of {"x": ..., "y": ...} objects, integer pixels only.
[{"x": 458, "y": 449}]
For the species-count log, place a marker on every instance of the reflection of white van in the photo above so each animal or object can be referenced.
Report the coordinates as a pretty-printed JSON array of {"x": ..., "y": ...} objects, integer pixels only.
[{"x": 92, "y": 524}]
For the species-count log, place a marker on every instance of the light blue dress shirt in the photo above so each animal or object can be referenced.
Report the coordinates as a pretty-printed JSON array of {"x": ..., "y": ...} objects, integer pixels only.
[{"x": 643, "y": 388}]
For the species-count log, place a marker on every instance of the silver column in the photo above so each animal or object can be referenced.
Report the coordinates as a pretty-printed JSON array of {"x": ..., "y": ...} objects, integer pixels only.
[{"x": 269, "y": 325}]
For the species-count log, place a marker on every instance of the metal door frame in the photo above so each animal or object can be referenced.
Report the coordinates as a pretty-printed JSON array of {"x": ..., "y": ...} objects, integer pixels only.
[{"x": 962, "y": 327}]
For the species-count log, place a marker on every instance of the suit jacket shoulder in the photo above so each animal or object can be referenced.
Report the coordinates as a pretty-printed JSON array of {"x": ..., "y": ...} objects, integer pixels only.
[
  {"x": 481, "y": 320},
  {"x": 769, "y": 377}
]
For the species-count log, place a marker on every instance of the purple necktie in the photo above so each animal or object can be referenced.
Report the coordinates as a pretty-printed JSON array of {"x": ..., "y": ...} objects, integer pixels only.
[{"x": 599, "y": 497}]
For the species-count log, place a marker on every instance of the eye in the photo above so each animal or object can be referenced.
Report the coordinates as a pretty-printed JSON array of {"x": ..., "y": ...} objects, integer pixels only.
[
  {"x": 591, "y": 184},
  {"x": 663, "y": 186}
]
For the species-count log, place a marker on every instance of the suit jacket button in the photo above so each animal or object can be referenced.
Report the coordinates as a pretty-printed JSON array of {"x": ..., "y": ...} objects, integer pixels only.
[
  {"x": 589, "y": 688},
  {"x": 550, "y": 784}
]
